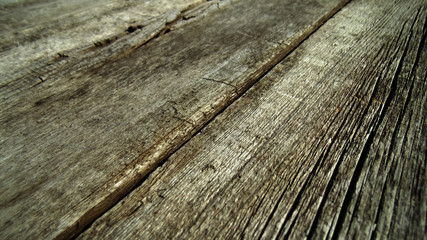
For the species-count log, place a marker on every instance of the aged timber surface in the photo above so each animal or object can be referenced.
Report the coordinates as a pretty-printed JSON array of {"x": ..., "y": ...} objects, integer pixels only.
[
  {"x": 330, "y": 144},
  {"x": 40, "y": 36},
  {"x": 81, "y": 131}
]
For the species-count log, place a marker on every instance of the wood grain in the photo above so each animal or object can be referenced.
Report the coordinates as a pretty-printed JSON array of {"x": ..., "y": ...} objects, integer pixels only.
[
  {"x": 76, "y": 140},
  {"x": 329, "y": 144},
  {"x": 41, "y": 36}
]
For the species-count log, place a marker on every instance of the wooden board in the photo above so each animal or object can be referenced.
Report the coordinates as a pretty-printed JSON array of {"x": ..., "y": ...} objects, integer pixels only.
[
  {"x": 329, "y": 144},
  {"x": 80, "y": 136},
  {"x": 37, "y": 33}
]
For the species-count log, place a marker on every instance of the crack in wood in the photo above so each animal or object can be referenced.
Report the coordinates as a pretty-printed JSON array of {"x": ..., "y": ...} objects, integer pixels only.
[{"x": 375, "y": 125}]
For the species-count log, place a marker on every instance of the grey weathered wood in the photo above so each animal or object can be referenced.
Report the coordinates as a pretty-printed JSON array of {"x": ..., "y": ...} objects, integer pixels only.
[
  {"x": 330, "y": 143},
  {"x": 35, "y": 33},
  {"x": 79, "y": 137}
]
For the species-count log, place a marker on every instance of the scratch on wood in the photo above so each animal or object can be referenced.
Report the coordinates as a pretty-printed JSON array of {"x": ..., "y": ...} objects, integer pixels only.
[
  {"x": 236, "y": 91},
  {"x": 183, "y": 120}
]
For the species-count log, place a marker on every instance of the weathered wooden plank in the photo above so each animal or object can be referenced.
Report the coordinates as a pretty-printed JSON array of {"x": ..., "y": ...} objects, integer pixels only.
[
  {"x": 388, "y": 195},
  {"x": 330, "y": 143},
  {"x": 74, "y": 143},
  {"x": 36, "y": 33}
]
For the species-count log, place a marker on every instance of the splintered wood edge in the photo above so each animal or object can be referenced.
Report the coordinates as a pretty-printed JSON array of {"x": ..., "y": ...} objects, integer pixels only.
[{"x": 124, "y": 182}]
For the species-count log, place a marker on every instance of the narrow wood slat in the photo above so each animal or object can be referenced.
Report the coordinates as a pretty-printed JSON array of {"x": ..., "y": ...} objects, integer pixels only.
[
  {"x": 330, "y": 144},
  {"x": 75, "y": 143}
]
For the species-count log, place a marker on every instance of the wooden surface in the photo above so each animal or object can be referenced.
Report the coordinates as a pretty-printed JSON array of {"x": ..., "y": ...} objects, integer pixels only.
[
  {"x": 329, "y": 143},
  {"x": 60, "y": 33},
  {"x": 81, "y": 135}
]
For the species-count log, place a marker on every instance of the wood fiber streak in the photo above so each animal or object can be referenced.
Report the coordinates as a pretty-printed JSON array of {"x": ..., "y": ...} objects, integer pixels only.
[
  {"x": 331, "y": 143},
  {"x": 73, "y": 145}
]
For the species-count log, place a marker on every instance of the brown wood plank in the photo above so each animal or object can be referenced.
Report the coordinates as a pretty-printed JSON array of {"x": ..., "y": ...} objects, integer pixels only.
[
  {"x": 77, "y": 139},
  {"x": 330, "y": 144}
]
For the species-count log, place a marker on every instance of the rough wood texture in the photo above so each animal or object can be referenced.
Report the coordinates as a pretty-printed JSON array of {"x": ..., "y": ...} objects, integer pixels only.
[
  {"x": 76, "y": 140},
  {"x": 39, "y": 33},
  {"x": 330, "y": 144}
]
